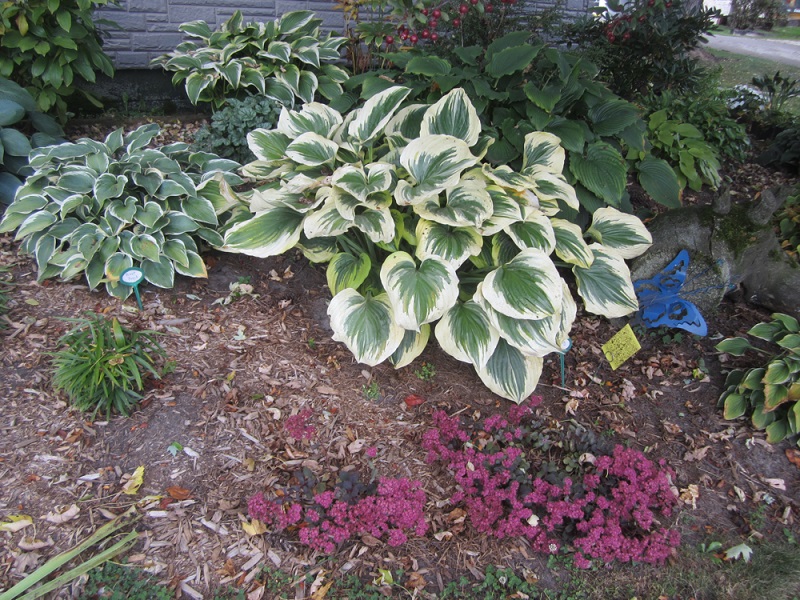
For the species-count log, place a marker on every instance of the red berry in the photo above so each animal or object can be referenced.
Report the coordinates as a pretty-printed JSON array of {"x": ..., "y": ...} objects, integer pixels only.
[
  {"x": 425, "y": 34},
  {"x": 611, "y": 37},
  {"x": 474, "y": 2},
  {"x": 489, "y": 8},
  {"x": 651, "y": 2},
  {"x": 425, "y": 11},
  {"x": 432, "y": 23},
  {"x": 668, "y": 5},
  {"x": 389, "y": 40},
  {"x": 642, "y": 19},
  {"x": 512, "y": 1},
  {"x": 404, "y": 36},
  {"x": 463, "y": 9},
  {"x": 414, "y": 39},
  {"x": 436, "y": 13},
  {"x": 434, "y": 36},
  {"x": 456, "y": 22},
  {"x": 626, "y": 36}
]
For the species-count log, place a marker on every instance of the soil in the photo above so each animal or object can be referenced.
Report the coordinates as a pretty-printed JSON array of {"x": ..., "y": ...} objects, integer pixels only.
[{"x": 210, "y": 433}]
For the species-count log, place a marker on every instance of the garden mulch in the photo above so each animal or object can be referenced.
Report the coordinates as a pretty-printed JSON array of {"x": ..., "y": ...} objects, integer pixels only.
[{"x": 210, "y": 434}]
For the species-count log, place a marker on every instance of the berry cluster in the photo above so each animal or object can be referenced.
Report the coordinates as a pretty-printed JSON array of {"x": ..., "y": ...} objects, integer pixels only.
[{"x": 622, "y": 25}]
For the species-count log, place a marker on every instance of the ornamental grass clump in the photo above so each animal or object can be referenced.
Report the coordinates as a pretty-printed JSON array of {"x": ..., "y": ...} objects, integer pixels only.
[
  {"x": 417, "y": 229},
  {"x": 607, "y": 508}
]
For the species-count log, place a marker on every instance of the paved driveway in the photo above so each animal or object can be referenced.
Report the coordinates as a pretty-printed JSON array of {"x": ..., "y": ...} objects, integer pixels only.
[{"x": 782, "y": 51}]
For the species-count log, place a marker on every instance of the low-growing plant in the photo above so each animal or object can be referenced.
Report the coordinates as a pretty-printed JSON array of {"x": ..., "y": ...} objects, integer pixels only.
[
  {"x": 787, "y": 223},
  {"x": 226, "y": 135},
  {"x": 22, "y": 128},
  {"x": 102, "y": 366},
  {"x": 98, "y": 208},
  {"x": 372, "y": 391},
  {"x": 48, "y": 46},
  {"x": 607, "y": 507},
  {"x": 122, "y": 582},
  {"x": 283, "y": 59},
  {"x": 426, "y": 371},
  {"x": 784, "y": 151},
  {"x": 416, "y": 228},
  {"x": 776, "y": 90},
  {"x": 696, "y": 163},
  {"x": 769, "y": 393}
]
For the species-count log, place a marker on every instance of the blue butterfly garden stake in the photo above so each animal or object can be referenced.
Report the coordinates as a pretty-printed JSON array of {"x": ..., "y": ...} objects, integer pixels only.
[{"x": 661, "y": 301}]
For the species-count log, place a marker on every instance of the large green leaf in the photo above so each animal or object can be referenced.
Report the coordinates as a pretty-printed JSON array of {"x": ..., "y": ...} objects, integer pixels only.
[
  {"x": 347, "y": 271},
  {"x": 570, "y": 245},
  {"x": 777, "y": 372},
  {"x": 36, "y": 221},
  {"x": 375, "y": 114},
  {"x": 612, "y": 116},
  {"x": 160, "y": 273},
  {"x": 621, "y": 232},
  {"x": 601, "y": 170},
  {"x": 428, "y": 66},
  {"x": 418, "y": 294},
  {"x": 453, "y": 115},
  {"x": 527, "y": 287},
  {"x": 269, "y": 146},
  {"x": 434, "y": 164},
  {"x": 511, "y": 60},
  {"x": 451, "y": 245},
  {"x": 466, "y": 333},
  {"x": 735, "y": 405},
  {"x": 365, "y": 325},
  {"x": 777, "y": 431},
  {"x": 659, "y": 180},
  {"x": 509, "y": 373},
  {"x": 736, "y": 346},
  {"x": 10, "y": 112},
  {"x": 606, "y": 286},
  {"x": 266, "y": 234},
  {"x": 411, "y": 347}
]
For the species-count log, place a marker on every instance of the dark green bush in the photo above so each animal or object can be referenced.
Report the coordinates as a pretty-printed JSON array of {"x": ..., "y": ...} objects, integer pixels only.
[
  {"x": 757, "y": 14},
  {"x": 784, "y": 151},
  {"x": 226, "y": 135}
]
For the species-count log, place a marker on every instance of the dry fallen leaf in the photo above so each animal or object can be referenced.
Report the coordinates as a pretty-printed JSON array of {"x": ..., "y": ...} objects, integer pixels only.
[
  {"x": 443, "y": 536},
  {"x": 696, "y": 455},
  {"x": 356, "y": 446},
  {"x": 16, "y": 523},
  {"x": 413, "y": 400},
  {"x": 134, "y": 482},
  {"x": 690, "y": 494},
  {"x": 671, "y": 428},
  {"x": 416, "y": 581},
  {"x": 178, "y": 493},
  {"x": 778, "y": 484},
  {"x": 62, "y": 516},
  {"x": 29, "y": 543},
  {"x": 254, "y": 527},
  {"x": 793, "y": 454}
]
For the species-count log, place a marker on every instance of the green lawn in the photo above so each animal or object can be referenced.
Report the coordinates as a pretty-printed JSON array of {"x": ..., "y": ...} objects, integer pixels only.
[{"x": 777, "y": 33}]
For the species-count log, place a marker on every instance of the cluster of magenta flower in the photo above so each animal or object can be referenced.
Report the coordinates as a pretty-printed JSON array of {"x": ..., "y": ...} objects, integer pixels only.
[{"x": 610, "y": 512}]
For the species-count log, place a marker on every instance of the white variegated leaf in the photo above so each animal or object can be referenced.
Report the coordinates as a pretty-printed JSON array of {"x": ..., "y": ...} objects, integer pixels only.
[
  {"x": 570, "y": 245},
  {"x": 505, "y": 176},
  {"x": 466, "y": 333},
  {"x": 377, "y": 223},
  {"x": 544, "y": 150},
  {"x": 269, "y": 146},
  {"x": 569, "y": 311},
  {"x": 406, "y": 123},
  {"x": 312, "y": 118},
  {"x": 552, "y": 186},
  {"x": 375, "y": 114},
  {"x": 534, "y": 232},
  {"x": 272, "y": 197},
  {"x": 510, "y": 374},
  {"x": 318, "y": 250},
  {"x": 467, "y": 204},
  {"x": 606, "y": 286},
  {"x": 311, "y": 149},
  {"x": 266, "y": 234},
  {"x": 419, "y": 293},
  {"x": 434, "y": 163},
  {"x": 327, "y": 221},
  {"x": 506, "y": 209},
  {"x": 300, "y": 183},
  {"x": 366, "y": 325},
  {"x": 453, "y": 115},
  {"x": 623, "y": 233},
  {"x": 411, "y": 347},
  {"x": 347, "y": 271},
  {"x": 527, "y": 287},
  {"x": 451, "y": 245},
  {"x": 376, "y": 177}
]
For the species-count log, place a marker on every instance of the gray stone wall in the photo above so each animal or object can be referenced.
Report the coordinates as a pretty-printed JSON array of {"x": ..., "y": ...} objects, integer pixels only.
[{"x": 149, "y": 28}]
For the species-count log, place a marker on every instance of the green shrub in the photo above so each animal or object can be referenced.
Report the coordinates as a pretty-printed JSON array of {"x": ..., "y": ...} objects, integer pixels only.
[
  {"x": 770, "y": 393},
  {"x": 645, "y": 45},
  {"x": 48, "y": 46},
  {"x": 227, "y": 133},
  {"x": 518, "y": 88},
  {"x": 787, "y": 222},
  {"x": 101, "y": 207},
  {"x": 101, "y": 366},
  {"x": 776, "y": 90},
  {"x": 282, "y": 59},
  {"x": 416, "y": 228},
  {"x": 22, "y": 128},
  {"x": 784, "y": 151},
  {"x": 756, "y": 14},
  {"x": 683, "y": 145}
]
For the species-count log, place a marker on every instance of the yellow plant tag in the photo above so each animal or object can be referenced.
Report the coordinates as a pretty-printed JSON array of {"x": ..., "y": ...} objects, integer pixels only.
[{"x": 621, "y": 347}]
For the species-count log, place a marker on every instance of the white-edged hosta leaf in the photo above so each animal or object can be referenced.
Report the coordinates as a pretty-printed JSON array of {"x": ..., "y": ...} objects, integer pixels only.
[
  {"x": 434, "y": 163},
  {"x": 318, "y": 250},
  {"x": 621, "y": 232},
  {"x": 553, "y": 186},
  {"x": 534, "y": 232},
  {"x": 569, "y": 310},
  {"x": 505, "y": 176},
  {"x": 327, "y": 221},
  {"x": 466, "y": 333},
  {"x": 506, "y": 209},
  {"x": 411, "y": 347},
  {"x": 375, "y": 114},
  {"x": 606, "y": 286},
  {"x": 160, "y": 273},
  {"x": 365, "y": 325},
  {"x": 570, "y": 245},
  {"x": 200, "y": 209},
  {"x": 266, "y": 234},
  {"x": 347, "y": 271},
  {"x": 36, "y": 221},
  {"x": 314, "y": 117},
  {"x": 406, "y": 123},
  {"x": 509, "y": 373},
  {"x": 542, "y": 149},
  {"x": 453, "y": 115},
  {"x": 109, "y": 186},
  {"x": 116, "y": 264},
  {"x": 175, "y": 250},
  {"x": 146, "y": 246},
  {"x": 418, "y": 293},
  {"x": 504, "y": 248},
  {"x": 269, "y": 198},
  {"x": 467, "y": 204},
  {"x": 268, "y": 145},
  {"x": 531, "y": 337},
  {"x": 377, "y": 223},
  {"x": 451, "y": 245},
  {"x": 195, "y": 267},
  {"x": 528, "y": 287},
  {"x": 312, "y": 149},
  {"x": 375, "y": 177},
  {"x": 148, "y": 213}
]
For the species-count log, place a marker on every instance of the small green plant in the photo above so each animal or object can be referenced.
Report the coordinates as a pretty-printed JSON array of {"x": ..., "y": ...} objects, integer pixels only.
[
  {"x": 283, "y": 59},
  {"x": 102, "y": 366},
  {"x": 787, "y": 224},
  {"x": 371, "y": 391},
  {"x": 121, "y": 582},
  {"x": 226, "y": 135},
  {"x": 426, "y": 372},
  {"x": 49, "y": 45},
  {"x": 770, "y": 393},
  {"x": 777, "y": 90},
  {"x": 99, "y": 208},
  {"x": 784, "y": 151}
]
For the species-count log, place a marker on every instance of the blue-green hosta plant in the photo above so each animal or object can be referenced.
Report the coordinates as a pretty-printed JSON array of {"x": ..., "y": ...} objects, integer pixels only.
[
  {"x": 770, "y": 393},
  {"x": 98, "y": 208},
  {"x": 417, "y": 229},
  {"x": 283, "y": 59}
]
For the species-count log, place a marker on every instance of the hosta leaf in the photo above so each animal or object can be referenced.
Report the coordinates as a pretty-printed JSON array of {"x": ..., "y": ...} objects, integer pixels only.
[
  {"x": 570, "y": 245},
  {"x": 116, "y": 264},
  {"x": 534, "y": 232},
  {"x": 510, "y": 374},
  {"x": 347, "y": 271},
  {"x": 620, "y": 232},
  {"x": 429, "y": 66},
  {"x": 453, "y": 115},
  {"x": 418, "y": 294},
  {"x": 659, "y": 180},
  {"x": 466, "y": 334},
  {"x": 612, "y": 116},
  {"x": 506, "y": 209},
  {"x": 753, "y": 380},
  {"x": 736, "y": 346},
  {"x": 510, "y": 60},
  {"x": 376, "y": 177},
  {"x": 467, "y": 204},
  {"x": 378, "y": 224},
  {"x": 36, "y": 221},
  {"x": 273, "y": 88},
  {"x": 266, "y": 234},
  {"x": 294, "y": 21},
  {"x": 318, "y": 250},
  {"x": 789, "y": 322},
  {"x": 528, "y": 287},
  {"x": 451, "y": 245},
  {"x": 176, "y": 251},
  {"x": 178, "y": 223},
  {"x": 411, "y": 347},
  {"x": 759, "y": 418},
  {"x": 199, "y": 209},
  {"x": 375, "y": 114},
  {"x": 365, "y": 325},
  {"x": 542, "y": 149},
  {"x": 434, "y": 163},
  {"x": 160, "y": 273},
  {"x": 109, "y": 186},
  {"x": 407, "y": 122},
  {"x": 326, "y": 222},
  {"x": 602, "y": 170},
  {"x": 606, "y": 286},
  {"x": 148, "y": 214},
  {"x": 312, "y": 149},
  {"x": 506, "y": 177},
  {"x": 195, "y": 268},
  {"x": 777, "y": 431},
  {"x": 269, "y": 146},
  {"x": 735, "y": 406},
  {"x": 77, "y": 182},
  {"x": 777, "y": 372},
  {"x": 314, "y": 117},
  {"x": 146, "y": 246},
  {"x": 550, "y": 187}
]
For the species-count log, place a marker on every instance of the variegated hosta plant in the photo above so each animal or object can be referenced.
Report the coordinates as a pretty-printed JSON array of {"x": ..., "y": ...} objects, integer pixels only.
[
  {"x": 99, "y": 208},
  {"x": 418, "y": 229},
  {"x": 280, "y": 59}
]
